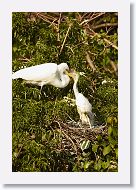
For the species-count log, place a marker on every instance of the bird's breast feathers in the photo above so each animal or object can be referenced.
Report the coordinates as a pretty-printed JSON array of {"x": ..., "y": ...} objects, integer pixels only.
[{"x": 83, "y": 103}]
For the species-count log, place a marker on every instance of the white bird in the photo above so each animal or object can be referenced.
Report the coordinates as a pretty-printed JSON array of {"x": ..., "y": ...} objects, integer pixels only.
[
  {"x": 84, "y": 107},
  {"x": 47, "y": 73}
]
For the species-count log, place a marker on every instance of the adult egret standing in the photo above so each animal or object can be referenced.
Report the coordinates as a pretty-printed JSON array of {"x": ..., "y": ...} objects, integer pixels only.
[
  {"x": 47, "y": 73},
  {"x": 84, "y": 107}
]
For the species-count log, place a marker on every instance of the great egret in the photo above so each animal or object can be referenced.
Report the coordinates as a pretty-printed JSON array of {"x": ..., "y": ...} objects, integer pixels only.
[
  {"x": 84, "y": 107},
  {"x": 47, "y": 73}
]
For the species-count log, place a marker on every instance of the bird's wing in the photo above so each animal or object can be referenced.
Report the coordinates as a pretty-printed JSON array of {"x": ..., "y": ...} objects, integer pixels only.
[
  {"x": 44, "y": 72},
  {"x": 83, "y": 104}
]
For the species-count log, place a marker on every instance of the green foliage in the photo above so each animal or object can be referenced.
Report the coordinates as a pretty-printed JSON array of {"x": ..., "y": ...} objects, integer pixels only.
[{"x": 35, "y": 138}]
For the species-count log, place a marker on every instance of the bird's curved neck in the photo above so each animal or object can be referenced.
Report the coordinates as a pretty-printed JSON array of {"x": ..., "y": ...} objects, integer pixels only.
[
  {"x": 62, "y": 80},
  {"x": 75, "y": 88}
]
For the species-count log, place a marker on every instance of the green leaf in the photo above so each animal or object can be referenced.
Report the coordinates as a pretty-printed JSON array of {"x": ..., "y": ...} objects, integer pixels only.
[
  {"x": 115, "y": 120},
  {"x": 112, "y": 141},
  {"x": 110, "y": 120},
  {"x": 98, "y": 165},
  {"x": 109, "y": 130},
  {"x": 14, "y": 49},
  {"x": 105, "y": 164},
  {"x": 95, "y": 147},
  {"x": 86, "y": 165},
  {"x": 116, "y": 151},
  {"x": 115, "y": 132},
  {"x": 99, "y": 137},
  {"x": 106, "y": 150}
]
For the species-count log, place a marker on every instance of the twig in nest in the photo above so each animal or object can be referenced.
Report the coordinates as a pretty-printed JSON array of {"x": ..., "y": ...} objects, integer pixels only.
[
  {"x": 65, "y": 38},
  {"x": 89, "y": 61},
  {"x": 68, "y": 137}
]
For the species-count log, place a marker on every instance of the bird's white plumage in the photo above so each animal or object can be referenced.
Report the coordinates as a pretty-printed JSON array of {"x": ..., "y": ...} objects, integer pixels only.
[
  {"x": 47, "y": 73},
  {"x": 84, "y": 107},
  {"x": 83, "y": 104},
  {"x": 37, "y": 72}
]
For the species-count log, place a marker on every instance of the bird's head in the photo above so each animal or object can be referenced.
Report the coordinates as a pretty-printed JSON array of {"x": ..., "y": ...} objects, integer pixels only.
[
  {"x": 74, "y": 74},
  {"x": 63, "y": 67}
]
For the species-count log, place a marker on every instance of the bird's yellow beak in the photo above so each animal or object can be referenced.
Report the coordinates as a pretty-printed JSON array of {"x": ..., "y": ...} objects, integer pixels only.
[{"x": 68, "y": 73}]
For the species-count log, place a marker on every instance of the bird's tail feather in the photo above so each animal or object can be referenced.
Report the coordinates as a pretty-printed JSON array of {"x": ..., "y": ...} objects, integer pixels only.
[{"x": 15, "y": 75}]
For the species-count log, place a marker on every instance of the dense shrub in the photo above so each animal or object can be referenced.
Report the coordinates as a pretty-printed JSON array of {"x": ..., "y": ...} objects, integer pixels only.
[{"x": 90, "y": 46}]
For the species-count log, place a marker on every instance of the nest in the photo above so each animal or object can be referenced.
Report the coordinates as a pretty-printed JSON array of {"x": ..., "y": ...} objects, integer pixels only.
[{"x": 73, "y": 134}]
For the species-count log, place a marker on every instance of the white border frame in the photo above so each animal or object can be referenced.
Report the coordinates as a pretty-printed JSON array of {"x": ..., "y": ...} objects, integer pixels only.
[{"x": 6, "y": 174}]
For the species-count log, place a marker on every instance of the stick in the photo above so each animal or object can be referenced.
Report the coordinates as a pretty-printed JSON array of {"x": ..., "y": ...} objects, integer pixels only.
[
  {"x": 44, "y": 18},
  {"x": 110, "y": 43},
  {"x": 58, "y": 34},
  {"x": 65, "y": 38},
  {"x": 89, "y": 20},
  {"x": 88, "y": 59},
  {"x": 68, "y": 137},
  {"x": 114, "y": 66},
  {"x": 107, "y": 41},
  {"x": 104, "y": 25}
]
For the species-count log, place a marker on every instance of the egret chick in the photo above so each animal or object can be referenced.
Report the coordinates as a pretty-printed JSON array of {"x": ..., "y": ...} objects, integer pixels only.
[
  {"x": 84, "y": 107},
  {"x": 47, "y": 73}
]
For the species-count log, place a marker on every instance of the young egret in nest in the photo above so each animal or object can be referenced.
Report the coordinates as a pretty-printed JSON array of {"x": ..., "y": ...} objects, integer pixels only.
[
  {"x": 84, "y": 107},
  {"x": 47, "y": 73}
]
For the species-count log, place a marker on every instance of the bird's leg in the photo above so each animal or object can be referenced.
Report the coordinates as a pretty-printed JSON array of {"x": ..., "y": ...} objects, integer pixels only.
[
  {"x": 80, "y": 115},
  {"x": 41, "y": 89},
  {"x": 85, "y": 120}
]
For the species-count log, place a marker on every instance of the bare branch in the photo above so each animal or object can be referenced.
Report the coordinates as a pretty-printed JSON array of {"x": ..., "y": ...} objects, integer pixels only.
[
  {"x": 92, "y": 18},
  {"x": 58, "y": 30},
  {"x": 89, "y": 61},
  {"x": 110, "y": 43},
  {"x": 104, "y": 25},
  {"x": 65, "y": 38},
  {"x": 114, "y": 66}
]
